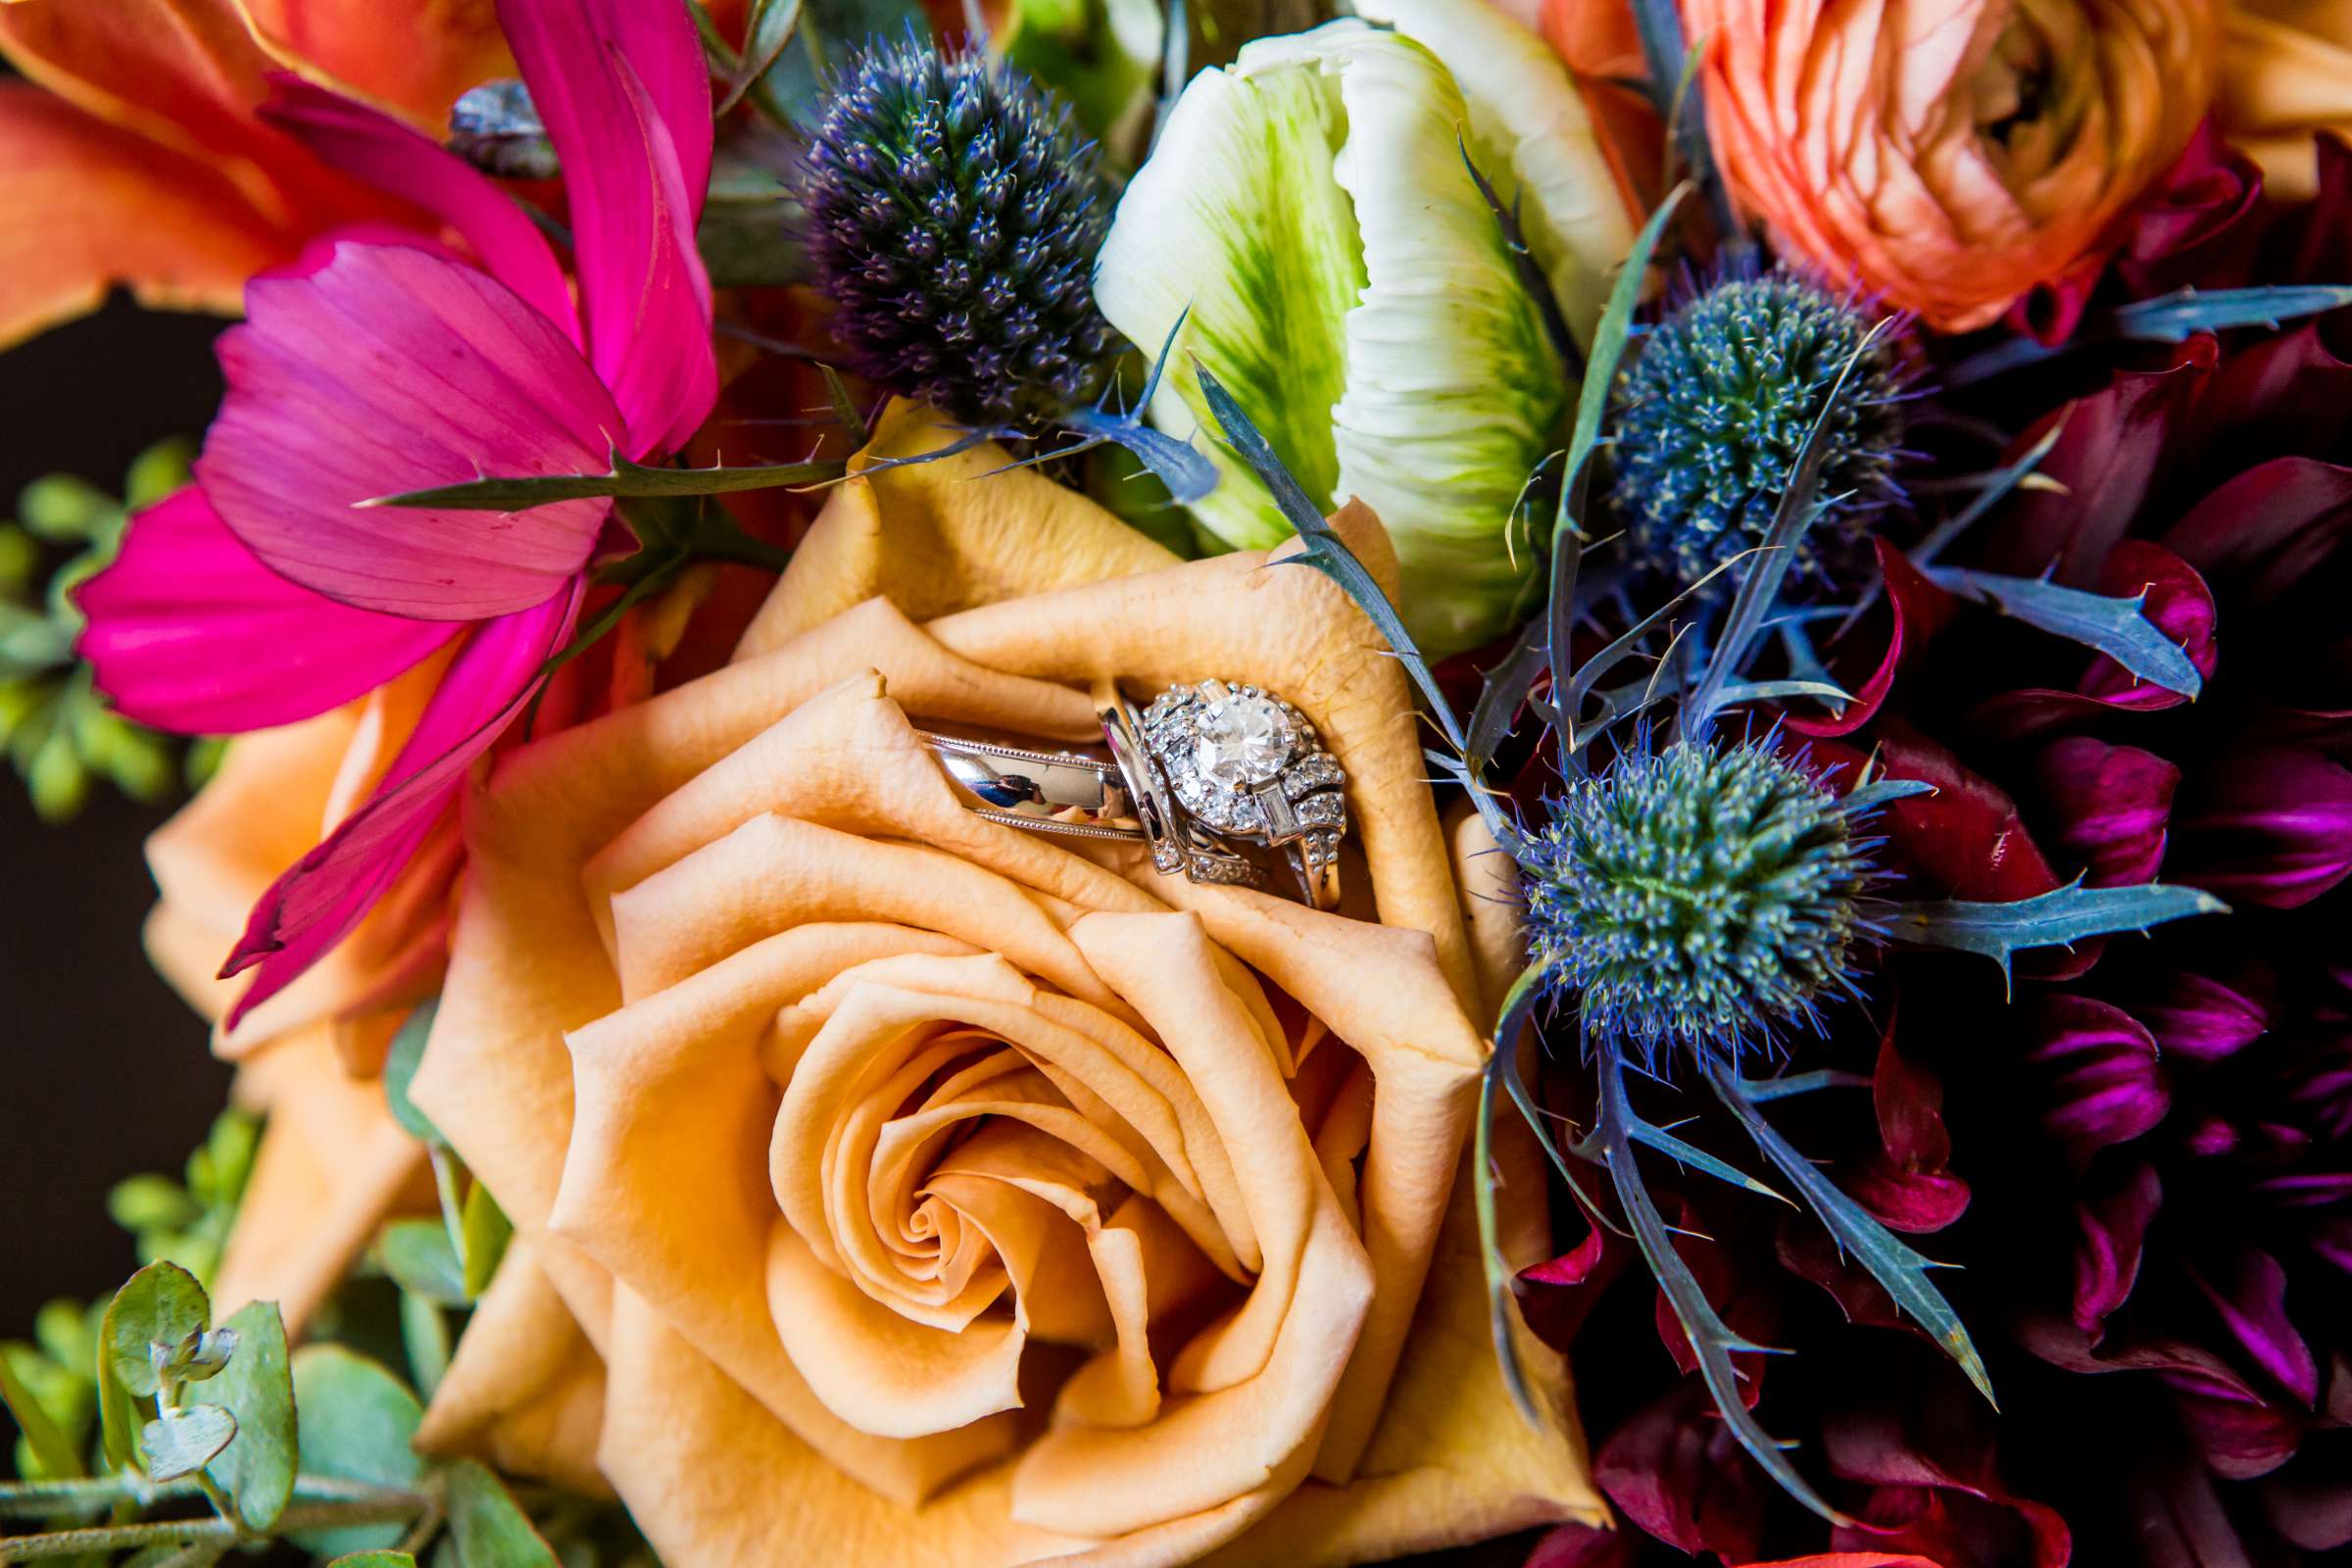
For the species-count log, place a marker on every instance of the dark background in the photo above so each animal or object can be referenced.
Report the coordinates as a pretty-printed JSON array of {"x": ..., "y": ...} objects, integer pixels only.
[{"x": 102, "y": 1072}]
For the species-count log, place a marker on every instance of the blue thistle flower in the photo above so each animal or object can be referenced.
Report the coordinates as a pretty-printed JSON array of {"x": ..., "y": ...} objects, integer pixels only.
[
  {"x": 1697, "y": 896},
  {"x": 1710, "y": 416},
  {"x": 954, "y": 218}
]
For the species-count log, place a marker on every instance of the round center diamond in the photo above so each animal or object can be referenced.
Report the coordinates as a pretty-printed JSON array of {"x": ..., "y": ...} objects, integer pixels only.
[{"x": 1241, "y": 741}]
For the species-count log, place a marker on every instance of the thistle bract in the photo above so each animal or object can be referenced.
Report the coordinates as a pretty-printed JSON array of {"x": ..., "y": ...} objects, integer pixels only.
[
  {"x": 953, "y": 216},
  {"x": 1696, "y": 895},
  {"x": 1710, "y": 417}
]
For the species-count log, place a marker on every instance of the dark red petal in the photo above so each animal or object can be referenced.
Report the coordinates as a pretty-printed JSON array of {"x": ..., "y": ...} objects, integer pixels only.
[
  {"x": 2101, "y": 1084},
  {"x": 2111, "y": 1229},
  {"x": 2270, "y": 826},
  {"x": 2106, "y": 808},
  {"x": 1677, "y": 1471}
]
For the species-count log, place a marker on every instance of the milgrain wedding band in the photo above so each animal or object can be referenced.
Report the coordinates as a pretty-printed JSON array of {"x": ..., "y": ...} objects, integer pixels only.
[{"x": 1221, "y": 781}]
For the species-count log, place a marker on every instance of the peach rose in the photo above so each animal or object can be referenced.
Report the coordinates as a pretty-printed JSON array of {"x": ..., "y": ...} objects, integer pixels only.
[
  {"x": 1949, "y": 155},
  {"x": 951, "y": 1194},
  {"x": 2287, "y": 73}
]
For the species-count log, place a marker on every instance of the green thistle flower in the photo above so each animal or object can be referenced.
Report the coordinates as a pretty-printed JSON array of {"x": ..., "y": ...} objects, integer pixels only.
[
  {"x": 954, "y": 218},
  {"x": 1709, "y": 418},
  {"x": 1697, "y": 896}
]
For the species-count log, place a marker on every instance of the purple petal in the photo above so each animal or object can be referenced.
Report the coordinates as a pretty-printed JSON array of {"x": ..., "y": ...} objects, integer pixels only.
[
  {"x": 625, "y": 93},
  {"x": 391, "y": 369},
  {"x": 373, "y": 146},
  {"x": 2201, "y": 1019},
  {"x": 2112, "y": 1229},
  {"x": 2252, "y": 1301},
  {"x": 2110, "y": 805},
  {"x": 316, "y": 905},
  {"x": 2269, "y": 826},
  {"x": 2100, "y": 1082},
  {"x": 189, "y": 632}
]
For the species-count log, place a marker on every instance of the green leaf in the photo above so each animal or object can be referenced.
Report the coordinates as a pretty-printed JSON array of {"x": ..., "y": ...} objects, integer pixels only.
[
  {"x": 161, "y": 1304},
  {"x": 1895, "y": 1266},
  {"x": 375, "y": 1559},
  {"x": 258, "y": 1388},
  {"x": 400, "y": 1070},
  {"x": 424, "y": 1338},
  {"x": 180, "y": 1442},
  {"x": 484, "y": 1230},
  {"x": 769, "y": 29},
  {"x": 151, "y": 1201},
  {"x": 2056, "y": 918},
  {"x": 118, "y": 1418},
  {"x": 199, "y": 1356},
  {"x": 490, "y": 1530},
  {"x": 358, "y": 1422},
  {"x": 420, "y": 1257},
  {"x": 2116, "y": 628},
  {"x": 49, "y": 1445},
  {"x": 626, "y": 478}
]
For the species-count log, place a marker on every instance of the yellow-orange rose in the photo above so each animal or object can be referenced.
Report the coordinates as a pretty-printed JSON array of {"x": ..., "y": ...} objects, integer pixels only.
[
  {"x": 2286, "y": 74},
  {"x": 1949, "y": 155},
  {"x": 942, "y": 1194}
]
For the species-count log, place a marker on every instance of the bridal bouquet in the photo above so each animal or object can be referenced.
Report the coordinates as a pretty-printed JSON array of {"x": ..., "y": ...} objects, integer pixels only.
[{"x": 1223, "y": 781}]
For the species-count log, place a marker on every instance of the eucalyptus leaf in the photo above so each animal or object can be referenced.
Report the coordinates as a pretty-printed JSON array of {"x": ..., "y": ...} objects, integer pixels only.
[
  {"x": 375, "y": 1559},
  {"x": 180, "y": 1442},
  {"x": 358, "y": 1424},
  {"x": 161, "y": 1304},
  {"x": 257, "y": 1387},
  {"x": 489, "y": 1529},
  {"x": 420, "y": 1257},
  {"x": 49, "y": 1445},
  {"x": 400, "y": 1070},
  {"x": 197, "y": 1357},
  {"x": 2114, "y": 626},
  {"x": 2057, "y": 919}
]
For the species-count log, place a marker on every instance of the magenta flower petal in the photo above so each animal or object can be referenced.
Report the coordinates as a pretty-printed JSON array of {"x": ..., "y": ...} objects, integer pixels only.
[
  {"x": 2273, "y": 828},
  {"x": 2101, "y": 1082},
  {"x": 2111, "y": 1234},
  {"x": 391, "y": 369},
  {"x": 328, "y": 892},
  {"x": 2200, "y": 1019},
  {"x": 189, "y": 632},
  {"x": 2252, "y": 1300},
  {"x": 2111, "y": 804},
  {"x": 625, "y": 93},
  {"x": 372, "y": 146}
]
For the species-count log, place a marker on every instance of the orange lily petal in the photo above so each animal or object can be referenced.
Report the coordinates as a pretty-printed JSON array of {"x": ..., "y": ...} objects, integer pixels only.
[
  {"x": 85, "y": 205},
  {"x": 411, "y": 59}
]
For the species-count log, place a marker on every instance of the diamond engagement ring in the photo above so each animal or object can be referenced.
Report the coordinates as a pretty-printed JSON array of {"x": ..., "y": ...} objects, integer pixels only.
[{"x": 1225, "y": 783}]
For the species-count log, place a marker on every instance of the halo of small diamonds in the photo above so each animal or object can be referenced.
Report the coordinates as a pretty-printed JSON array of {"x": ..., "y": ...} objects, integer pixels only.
[{"x": 1245, "y": 763}]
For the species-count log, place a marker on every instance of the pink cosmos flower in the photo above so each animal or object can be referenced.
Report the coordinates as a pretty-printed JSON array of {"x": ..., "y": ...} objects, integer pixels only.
[{"x": 385, "y": 362}]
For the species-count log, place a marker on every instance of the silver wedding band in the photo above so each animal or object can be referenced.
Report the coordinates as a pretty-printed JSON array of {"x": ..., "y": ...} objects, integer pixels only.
[{"x": 1224, "y": 783}]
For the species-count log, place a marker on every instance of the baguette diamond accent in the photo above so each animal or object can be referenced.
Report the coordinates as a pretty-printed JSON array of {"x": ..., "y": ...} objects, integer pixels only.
[{"x": 1232, "y": 753}]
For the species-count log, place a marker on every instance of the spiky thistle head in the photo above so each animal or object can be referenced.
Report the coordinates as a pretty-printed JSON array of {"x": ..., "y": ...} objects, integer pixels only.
[
  {"x": 1700, "y": 894},
  {"x": 1710, "y": 416},
  {"x": 954, "y": 218}
]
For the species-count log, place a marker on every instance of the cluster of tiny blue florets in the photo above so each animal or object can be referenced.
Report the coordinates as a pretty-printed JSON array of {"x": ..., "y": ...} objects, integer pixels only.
[
  {"x": 954, "y": 219},
  {"x": 1710, "y": 416},
  {"x": 1697, "y": 896}
]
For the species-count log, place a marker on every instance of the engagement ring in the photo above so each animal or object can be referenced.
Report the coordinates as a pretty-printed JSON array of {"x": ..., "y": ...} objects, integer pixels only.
[{"x": 1225, "y": 783}]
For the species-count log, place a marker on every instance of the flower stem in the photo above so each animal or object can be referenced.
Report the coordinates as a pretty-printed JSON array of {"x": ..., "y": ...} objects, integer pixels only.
[{"x": 390, "y": 1508}]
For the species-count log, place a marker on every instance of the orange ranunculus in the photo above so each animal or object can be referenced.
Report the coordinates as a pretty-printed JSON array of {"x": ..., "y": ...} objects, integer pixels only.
[
  {"x": 2287, "y": 73},
  {"x": 1950, "y": 154},
  {"x": 132, "y": 156}
]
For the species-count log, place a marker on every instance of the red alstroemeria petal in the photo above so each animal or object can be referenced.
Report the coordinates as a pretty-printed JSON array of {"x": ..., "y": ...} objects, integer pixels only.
[
  {"x": 329, "y": 891},
  {"x": 187, "y": 631},
  {"x": 390, "y": 369}
]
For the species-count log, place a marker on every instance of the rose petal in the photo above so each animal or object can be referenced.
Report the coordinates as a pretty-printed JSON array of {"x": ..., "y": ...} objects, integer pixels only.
[
  {"x": 391, "y": 369},
  {"x": 188, "y": 632},
  {"x": 625, "y": 94}
]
